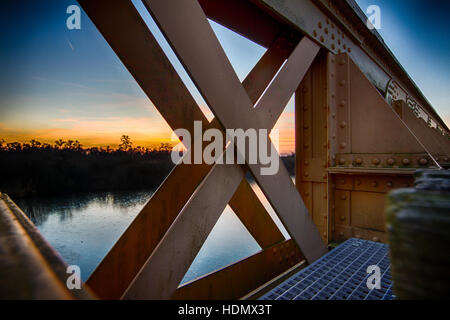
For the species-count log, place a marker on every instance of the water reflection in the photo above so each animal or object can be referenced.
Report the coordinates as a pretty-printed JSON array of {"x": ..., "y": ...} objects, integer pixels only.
[{"x": 84, "y": 227}]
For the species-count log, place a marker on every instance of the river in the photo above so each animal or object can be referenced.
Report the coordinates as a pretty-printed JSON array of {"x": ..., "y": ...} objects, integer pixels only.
[{"x": 84, "y": 227}]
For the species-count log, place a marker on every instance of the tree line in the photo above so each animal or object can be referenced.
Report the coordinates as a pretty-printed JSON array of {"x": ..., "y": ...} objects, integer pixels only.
[
  {"x": 36, "y": 168},
  {"x": 66, "y": 167}
]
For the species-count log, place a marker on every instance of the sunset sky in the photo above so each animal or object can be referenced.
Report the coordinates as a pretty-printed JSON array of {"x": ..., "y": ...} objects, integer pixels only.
[{"x": 59, "y": 83}]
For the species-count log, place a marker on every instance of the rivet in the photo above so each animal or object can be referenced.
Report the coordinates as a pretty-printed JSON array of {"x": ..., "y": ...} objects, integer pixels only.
[
  {"x": 326, "y": 30},
  {"x": 342, "y": 161},
  {"x": 306, "y": 174},
  {"x": 306, "y": 127},
  {"x": 374, "y": 184},
  {"x": 446, "y": 159},
  {"x": 342, "y": 83},
  {"x": 319, "y": 25},
  {"x": 391, "y": 162},
  {"x": 406, "y": 161},
  {"x": 376, "y": 161},
  {"x": 325, "y": 145},
  {"x": 349, "y": 49},
  {"x": 343, "y": 124},
  {"x": 334, "y": 115},
  {"x": 423, "y": 161},
  {"x": 389, "y": 184},
  {"x": 375, "y": 239},
  {"x": 324, "y": 234},
  {"x": 358, "y": 161},
  {"x": 333, "y": 47},
  {"x": 307, "y": 193},
  {"x": 274, "y": 250},
  {"x": 332, "y": 228},
  {"x": 333, "y": 36},
  {"x": 306, "y": 146},
  {"x": 343, "y": 197},
  {"x": 358, "y": 236},
  {"x": 341, "y": 234},
  {"x": 343, "y": 218},
  {"x": 315, "y": 33},
  {"x": 306, "y": 162},
  {"x": 343, "y": 145},
  {"x": 343, "y": 103},
  {"x": 325, "y": 176},
  {"x": 322, "y": 39},
  {"x": 358, "y": 182},
  {"x": 342, "y": 62}
]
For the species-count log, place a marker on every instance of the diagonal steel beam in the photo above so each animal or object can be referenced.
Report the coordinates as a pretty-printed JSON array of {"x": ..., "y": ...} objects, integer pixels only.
[
  {"x": 203, "y": 57},
  {"x": 180, "y": 245},
  {"x": 163, "y": 271},
  {"x": 154, "y": 73}
]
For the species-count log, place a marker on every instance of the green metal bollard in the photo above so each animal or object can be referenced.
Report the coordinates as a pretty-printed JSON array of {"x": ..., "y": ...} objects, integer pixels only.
[{"x": 419, "y": 237}]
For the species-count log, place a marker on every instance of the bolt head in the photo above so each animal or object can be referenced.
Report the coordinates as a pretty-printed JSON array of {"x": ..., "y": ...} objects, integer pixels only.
[
  {"x": 423, "y": 162},
  {"x": 391, "y": 162},
  {"x": 406, "y": 162},
  {"x": 376, "y": 161}
]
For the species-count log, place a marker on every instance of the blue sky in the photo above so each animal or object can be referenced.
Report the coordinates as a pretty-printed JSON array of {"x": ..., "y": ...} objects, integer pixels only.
[{"x": 65, "y": 83}]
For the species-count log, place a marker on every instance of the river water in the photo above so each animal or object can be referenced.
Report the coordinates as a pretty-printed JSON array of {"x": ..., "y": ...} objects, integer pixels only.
[{"x": 84, "y": 227}]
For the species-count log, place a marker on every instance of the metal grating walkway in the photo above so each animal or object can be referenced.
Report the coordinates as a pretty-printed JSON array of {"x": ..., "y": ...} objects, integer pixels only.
[{"x": 341, "y": 274}]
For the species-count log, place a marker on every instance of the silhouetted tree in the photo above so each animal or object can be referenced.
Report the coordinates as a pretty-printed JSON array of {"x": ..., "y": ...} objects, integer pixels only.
[{"x": 126, "y": 144}]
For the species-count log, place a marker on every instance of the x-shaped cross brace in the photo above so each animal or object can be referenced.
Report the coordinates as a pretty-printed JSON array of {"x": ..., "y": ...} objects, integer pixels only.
[
  {"x": 117, "y": 21},
  {"x": 204, "y": 59}
]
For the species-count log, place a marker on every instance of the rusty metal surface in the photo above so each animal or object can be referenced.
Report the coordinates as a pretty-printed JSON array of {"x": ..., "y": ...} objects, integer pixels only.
[
  {"x": 244, "y": 18},
  {"x": 365, "y": 123},
  {"x": 29, "y": 266},
  {"x": 170, "y": 260},
  {"x": 437, "y": 144},
  {"x": 311, "y": 113},
  {"x": 137, "y": 53},
  {"x": 186, "y": 229},
  {"x": 336, "y": 26},
  {"x": 359, "y": 202},
  {"x": 232, "y": 106},
  {"x": 240, "y": 278}
]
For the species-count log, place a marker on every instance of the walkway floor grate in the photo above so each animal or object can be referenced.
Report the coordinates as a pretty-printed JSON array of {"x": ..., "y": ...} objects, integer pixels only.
[{"x": 341, "y": 274}]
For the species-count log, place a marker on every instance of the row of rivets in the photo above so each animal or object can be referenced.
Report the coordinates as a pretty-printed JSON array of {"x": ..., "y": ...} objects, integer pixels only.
[{"x": 377, "y": 161}]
